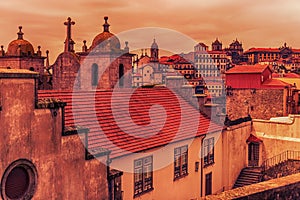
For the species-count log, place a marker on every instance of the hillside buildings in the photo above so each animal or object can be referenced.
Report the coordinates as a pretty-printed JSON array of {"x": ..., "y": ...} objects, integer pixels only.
[{"x": 90, "y": 135}]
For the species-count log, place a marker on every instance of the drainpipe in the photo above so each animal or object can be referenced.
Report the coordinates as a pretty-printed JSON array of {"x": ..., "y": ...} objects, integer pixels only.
[
  {"x": 108, "y": 161},
  {"x": 201, "y": 168}
]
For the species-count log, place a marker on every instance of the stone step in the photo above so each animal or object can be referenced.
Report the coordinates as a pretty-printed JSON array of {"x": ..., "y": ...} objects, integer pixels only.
[
  {"x": 248, "y": 176},
  {"x": 246, "y": 182}
]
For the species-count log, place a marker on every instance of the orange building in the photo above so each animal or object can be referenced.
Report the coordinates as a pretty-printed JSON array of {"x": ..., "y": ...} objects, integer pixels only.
[{"x": 284, "y": 53}]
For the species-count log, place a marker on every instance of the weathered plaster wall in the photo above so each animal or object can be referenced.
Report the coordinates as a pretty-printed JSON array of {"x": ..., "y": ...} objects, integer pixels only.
[
  {"x": 235, "y": 152},
  {"x": 36, "y": 135},
  {"x": 278, "y": 136}
]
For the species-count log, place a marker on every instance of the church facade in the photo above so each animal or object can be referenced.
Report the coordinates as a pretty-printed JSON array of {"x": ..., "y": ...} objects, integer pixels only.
[
  {"x": 103, "y": 65},
  {"x": 20, "y": 54}
]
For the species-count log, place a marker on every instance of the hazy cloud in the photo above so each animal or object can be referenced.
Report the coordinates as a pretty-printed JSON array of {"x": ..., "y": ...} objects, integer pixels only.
[{"x": 267, "y": 23}]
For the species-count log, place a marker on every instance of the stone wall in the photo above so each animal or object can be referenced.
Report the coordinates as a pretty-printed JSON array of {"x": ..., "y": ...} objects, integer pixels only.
[
  {"x": 286, "y": 168},
  {"x": 73, "y": 71},
  {"x": 280, "y": 189},
  {"x": 37, "y": 63},
  {"x": 65, "y": 71},
  {"x": 259, "y": 103}
]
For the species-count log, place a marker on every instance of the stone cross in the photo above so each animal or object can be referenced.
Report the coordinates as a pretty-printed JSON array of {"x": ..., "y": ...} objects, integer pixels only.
[{"x": 69, "y": 42}]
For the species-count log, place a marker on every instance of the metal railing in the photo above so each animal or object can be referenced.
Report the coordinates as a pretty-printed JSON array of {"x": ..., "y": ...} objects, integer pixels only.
[{"x": 280, "y": 158}]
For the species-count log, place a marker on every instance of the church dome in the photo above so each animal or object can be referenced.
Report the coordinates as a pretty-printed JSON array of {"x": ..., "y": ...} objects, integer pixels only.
[
  {"x": 20, "y": 46},
  {"x": 106, "y": 38}
]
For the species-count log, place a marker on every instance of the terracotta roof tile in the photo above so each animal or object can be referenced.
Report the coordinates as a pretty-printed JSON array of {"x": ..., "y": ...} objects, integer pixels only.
[
  {"x": 254, "y": 139},
  {"x": 252, "y": 50},
  {"x": 287, "y": 75},
  {"x": 275, "y": 83},
  {"x": 149, "y": 118},
  {"x": 241, "y": 69}
]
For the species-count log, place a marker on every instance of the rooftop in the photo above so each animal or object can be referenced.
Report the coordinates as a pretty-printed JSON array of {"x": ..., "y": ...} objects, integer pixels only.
[
  {"x": 246, "y": 69},
  {"x": 17, "y": 73},
  {"x": 129, "y": 121}
]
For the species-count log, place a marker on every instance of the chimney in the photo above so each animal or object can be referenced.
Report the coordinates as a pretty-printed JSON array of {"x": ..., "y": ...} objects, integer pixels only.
[{"x": 18, "y": 89}]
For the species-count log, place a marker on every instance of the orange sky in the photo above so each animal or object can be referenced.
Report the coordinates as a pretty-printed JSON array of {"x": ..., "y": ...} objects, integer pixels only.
[{"x": 264, "y": 23}]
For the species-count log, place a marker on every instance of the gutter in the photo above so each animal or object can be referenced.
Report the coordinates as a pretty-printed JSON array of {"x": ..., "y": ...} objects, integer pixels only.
[{"x": 201, "y": 168}]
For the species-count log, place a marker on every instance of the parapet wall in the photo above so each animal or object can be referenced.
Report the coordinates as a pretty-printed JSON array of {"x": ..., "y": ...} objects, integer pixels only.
[{"x": 280, "y": 189}]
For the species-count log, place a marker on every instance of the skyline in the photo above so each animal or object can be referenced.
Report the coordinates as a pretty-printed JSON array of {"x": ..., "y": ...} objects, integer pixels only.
[{"x": 267, "y": 24}]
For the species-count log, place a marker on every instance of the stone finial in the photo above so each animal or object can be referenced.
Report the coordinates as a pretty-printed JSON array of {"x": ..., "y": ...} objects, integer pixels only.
[
  {"x": 20, "y": 33},
  {"x": 39, "y": 52},
  {"x": 2, "y": 50},
  {"x": 84, "y": 47},
  {"x": 106, "y": 25},
  {"x": 126, "y": 47}
]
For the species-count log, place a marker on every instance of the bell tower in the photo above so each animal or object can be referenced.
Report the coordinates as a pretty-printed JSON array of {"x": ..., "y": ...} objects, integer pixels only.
[{"x": 154, "y": 51}]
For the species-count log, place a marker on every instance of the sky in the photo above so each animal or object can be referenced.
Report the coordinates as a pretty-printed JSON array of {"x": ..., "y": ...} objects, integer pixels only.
[{"x": 264, "y": 23}]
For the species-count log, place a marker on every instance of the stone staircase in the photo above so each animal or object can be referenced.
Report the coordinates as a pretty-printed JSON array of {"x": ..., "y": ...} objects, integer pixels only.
[{"x": 248, "y": 176}]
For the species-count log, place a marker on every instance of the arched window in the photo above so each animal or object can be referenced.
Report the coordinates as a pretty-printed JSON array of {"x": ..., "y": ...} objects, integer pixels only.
[
  {"x": 31, "y": 69},
  {"x": 121, "y": 74},
  {"x": 94, "y": 74}
]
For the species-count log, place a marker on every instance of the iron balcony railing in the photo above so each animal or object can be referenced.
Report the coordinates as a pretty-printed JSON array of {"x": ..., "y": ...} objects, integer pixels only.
[{"x": 280, "y": 158}]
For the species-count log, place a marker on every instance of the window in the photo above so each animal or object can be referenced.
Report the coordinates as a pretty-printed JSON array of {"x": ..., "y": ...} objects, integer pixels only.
[
  {"x": 19, "y": 180},
  {"x": 94, "y": 74},
  {"x": 180, "y": 162},
  {"x": 143, "y": 175},
  {"x": 208, "y": 184},
  {"x": 208, "y": 151},
  {"x": 121, "y": 74}
]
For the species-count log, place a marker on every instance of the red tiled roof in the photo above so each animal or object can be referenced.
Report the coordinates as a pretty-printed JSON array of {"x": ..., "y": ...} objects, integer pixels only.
[
  {"x": 287, "y": 75},
  {"x": 248, "y": 69},
  {"x": 121, "y": 121},
  {"x": 296, "y": 50},
  {"x": 252, "y": 50},
  {"x": 268, "y": 50},
  {"x": 174, "y": 59},
  {"x": 254, "y": 139},
  {"x": 275, "y": 83},
  {"x": 202, "y": 44}
]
